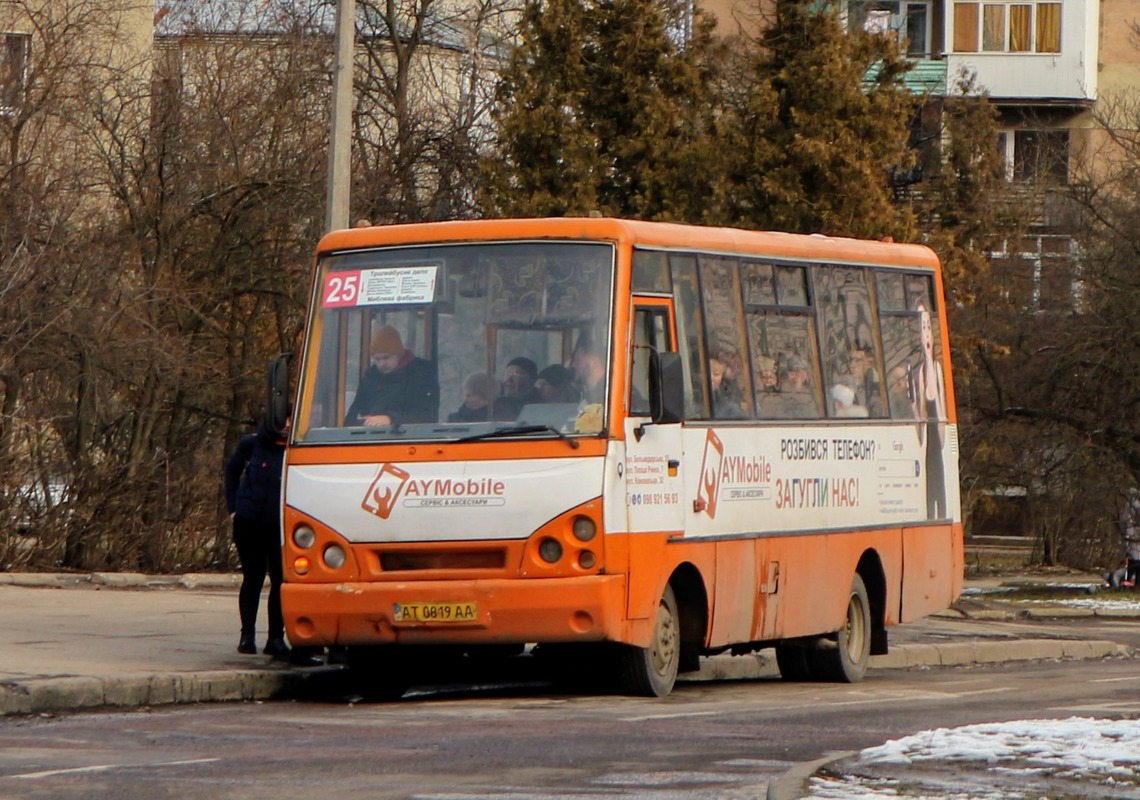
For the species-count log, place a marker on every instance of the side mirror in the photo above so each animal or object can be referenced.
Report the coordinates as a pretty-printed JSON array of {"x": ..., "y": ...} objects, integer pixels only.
[
  {"x": 277, "y": 400},
  {"x": 666, "y": 387}
]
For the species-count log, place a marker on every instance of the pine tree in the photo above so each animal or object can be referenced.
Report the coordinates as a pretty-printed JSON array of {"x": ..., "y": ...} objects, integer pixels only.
[
  {"x": 814, "y": 141},
  {"x": 605, "y": 106}
]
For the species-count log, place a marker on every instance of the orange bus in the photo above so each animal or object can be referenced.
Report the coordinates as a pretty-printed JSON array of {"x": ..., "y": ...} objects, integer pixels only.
[{"x": 623, "y": 445}]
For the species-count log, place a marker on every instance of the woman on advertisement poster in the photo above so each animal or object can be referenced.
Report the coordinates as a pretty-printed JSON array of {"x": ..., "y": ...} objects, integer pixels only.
[{"x": 930, "y": 410}]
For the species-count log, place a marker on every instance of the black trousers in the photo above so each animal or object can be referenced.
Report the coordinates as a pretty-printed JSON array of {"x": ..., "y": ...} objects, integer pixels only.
[{"x": 259, "y": 548}]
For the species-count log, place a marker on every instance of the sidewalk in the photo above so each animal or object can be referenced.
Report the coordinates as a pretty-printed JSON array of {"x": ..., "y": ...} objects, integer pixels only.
[{"x": 74, "y": 642}]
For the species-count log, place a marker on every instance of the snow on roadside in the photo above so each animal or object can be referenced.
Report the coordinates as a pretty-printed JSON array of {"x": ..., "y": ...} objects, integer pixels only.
[{"x": 1098, "y": 751}]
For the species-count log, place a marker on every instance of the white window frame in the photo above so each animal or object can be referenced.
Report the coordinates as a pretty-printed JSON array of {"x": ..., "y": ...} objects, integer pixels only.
[{"x": 21, "y": 80}]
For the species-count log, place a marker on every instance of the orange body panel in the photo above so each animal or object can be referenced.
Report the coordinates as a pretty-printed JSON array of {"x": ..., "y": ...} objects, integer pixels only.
[{"x": 586, "y": 609}]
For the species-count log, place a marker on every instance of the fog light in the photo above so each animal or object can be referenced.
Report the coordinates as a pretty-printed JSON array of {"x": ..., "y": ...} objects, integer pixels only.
[
  {"x": 587, "y": 559},
  {"x": 550, "y": 550},
  {"x": 584, "y": 529},
  {"x": 334, "y": 556},
  {"x": 301, "y": 565},
  {"x": 304, "y": 537}
]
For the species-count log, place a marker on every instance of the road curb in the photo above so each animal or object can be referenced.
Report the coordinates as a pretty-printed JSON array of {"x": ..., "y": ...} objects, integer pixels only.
[
  {"x": 72, "y": 693},
  {"x": 121, "y": 580}
]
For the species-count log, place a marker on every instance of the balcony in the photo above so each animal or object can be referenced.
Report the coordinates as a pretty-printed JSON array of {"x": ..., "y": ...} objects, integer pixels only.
[{"x": 1043, "y": 52}]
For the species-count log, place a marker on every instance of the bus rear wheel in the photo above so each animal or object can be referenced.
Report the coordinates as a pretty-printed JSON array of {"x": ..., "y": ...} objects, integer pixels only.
[
  {"x": 845, "y": 659},
  {"x": 652, "y": 671}
]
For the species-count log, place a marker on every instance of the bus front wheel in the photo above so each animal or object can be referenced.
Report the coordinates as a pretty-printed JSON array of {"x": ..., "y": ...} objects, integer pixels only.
[
  {"x": 845, "y": 659},
  {"x": 378, "y": 673},
  {"x": 795, "y": 662},
  {"x": 652, "y": 671}
]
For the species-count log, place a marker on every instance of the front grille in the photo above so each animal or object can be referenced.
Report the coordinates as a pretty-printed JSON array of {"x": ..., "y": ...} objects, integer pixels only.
[{"x": 403, "y": 561}]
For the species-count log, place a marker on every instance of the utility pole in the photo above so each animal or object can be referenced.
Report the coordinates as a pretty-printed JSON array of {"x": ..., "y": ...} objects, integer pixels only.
[{"x": 340, "y": 124}]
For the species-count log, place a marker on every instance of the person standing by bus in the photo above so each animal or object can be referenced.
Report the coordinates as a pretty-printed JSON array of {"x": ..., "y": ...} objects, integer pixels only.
[
  {"x": 1130, "y": 533},
  {"x": 253, "y": 498}
]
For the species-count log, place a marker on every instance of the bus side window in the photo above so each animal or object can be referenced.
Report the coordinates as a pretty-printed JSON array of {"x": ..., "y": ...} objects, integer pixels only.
[
  {"x": 729, "y": 375},
  {"x": 782, "y": 340},
  {"x": 651, "y": 332},
  {"x": 852, "y": 375},
  {"x": 690, "y": 332}
]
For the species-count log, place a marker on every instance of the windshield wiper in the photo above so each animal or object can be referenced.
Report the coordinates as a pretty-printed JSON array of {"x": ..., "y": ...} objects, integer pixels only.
[{"x": 521, "y": 430}]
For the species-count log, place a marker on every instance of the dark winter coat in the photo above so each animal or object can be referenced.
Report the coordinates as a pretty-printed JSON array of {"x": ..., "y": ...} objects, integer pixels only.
[
  {"x": 253, "y": 477},
  {"x": 409, "y": 393}
]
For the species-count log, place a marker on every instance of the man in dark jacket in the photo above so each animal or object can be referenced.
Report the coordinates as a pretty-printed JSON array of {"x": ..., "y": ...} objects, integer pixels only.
[
  {"x": 398, "y": 387},
  {"x": 253, "y": 498}
]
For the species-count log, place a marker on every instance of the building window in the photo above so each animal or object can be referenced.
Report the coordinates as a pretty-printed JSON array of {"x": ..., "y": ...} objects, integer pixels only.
[
  {"x": 1036, "y": 156},
  {"x": 907, "y": 21},
  {"x": 1007, "y": 27},
  {"x": 13, "y": 69}
]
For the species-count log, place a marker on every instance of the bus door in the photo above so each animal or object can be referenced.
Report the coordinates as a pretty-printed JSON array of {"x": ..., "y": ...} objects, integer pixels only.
[{"x": 652, "y": 470}]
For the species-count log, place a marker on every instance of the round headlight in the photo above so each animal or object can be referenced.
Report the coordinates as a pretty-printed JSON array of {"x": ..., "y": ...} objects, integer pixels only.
[
  {"x": 304, "y": 537},
  {"x": 587, "y": 559},
  {"x": 550, "y": 550},
  {"x": 584, "y": 529},
  {"x": 334, "y": 556}
]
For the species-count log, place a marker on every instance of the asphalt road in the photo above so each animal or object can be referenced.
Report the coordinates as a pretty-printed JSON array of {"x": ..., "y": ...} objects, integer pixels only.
[{"x": 707, "y": 741}]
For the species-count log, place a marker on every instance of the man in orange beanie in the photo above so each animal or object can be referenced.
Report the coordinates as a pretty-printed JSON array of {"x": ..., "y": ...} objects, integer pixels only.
[{"x": 398, "y": 387}]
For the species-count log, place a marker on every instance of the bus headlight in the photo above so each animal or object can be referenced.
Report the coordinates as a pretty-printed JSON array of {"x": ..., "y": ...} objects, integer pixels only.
[
  {"x": 584, "y": 529},
  {"x": 304, "y": 537},
  {"x": 550, "y": 550},
  {"x": 334, "y": 556},
  {"x": 587, "y": 559}
]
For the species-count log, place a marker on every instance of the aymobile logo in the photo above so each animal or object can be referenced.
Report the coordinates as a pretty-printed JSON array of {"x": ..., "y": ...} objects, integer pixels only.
[
  {"x": 393, "y": 485},
  {"x": 385, "y": 490},
  {"x": 709, "y": 488}
]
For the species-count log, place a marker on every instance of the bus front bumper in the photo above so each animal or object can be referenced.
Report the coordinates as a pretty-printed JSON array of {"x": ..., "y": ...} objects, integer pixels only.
[{"x": 579, "y": 609}]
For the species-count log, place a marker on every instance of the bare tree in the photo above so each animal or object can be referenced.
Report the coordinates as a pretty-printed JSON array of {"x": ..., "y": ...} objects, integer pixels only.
[{"x": 424, "y": 87}]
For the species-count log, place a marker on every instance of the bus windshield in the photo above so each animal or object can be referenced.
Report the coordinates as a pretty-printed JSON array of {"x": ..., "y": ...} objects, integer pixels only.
[{"x": 458, "y": 341}]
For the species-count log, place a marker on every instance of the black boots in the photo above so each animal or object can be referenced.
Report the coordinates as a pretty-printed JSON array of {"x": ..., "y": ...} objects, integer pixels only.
[
  {"x": 247, "y": 645},
  {"x": 277, "y": 648}
]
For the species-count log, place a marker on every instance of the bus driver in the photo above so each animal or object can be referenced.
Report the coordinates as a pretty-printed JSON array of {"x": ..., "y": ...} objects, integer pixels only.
[{"x": 398, "y": 386}]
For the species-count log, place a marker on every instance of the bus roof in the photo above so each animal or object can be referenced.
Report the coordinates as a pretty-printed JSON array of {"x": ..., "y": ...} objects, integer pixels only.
[{"x": 808, "y": 247}]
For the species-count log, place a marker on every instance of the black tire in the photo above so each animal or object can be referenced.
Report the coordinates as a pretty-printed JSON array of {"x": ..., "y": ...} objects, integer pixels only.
[
  {"x": 795, "y": 662},
  {"x": 652, "y": 671},
  {"x": 844, "y": 659},
  {"x": 378, "y": 674}
]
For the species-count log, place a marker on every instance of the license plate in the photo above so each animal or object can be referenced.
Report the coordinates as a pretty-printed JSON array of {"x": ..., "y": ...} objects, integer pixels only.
[{"x": 435, "y": 612}]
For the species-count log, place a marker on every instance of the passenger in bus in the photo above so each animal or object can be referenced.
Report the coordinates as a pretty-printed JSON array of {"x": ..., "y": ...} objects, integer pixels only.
[
  {"x": 518, "y": 388},
  {"x": 398, "y": 387},
  {"x": 480, "y": 390},
  {"x": 900, "y": 392},
  {"x": 555, "y": 384},
  {"x": 726, "y": 403},
  {"x": 797, "y": 399},
  {"x": 843, "y": 402},
  {"x": 865, "y": 381},
  {"x": 589, "y": 370},
  {"x": 769, "y": 380}
]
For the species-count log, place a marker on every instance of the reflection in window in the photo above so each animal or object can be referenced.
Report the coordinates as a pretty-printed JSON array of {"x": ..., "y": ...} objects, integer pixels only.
[
  {"x": 690, "y": 332},
  {"x": 729, "y": 379},
  {"x": 850, "y": 352}
]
